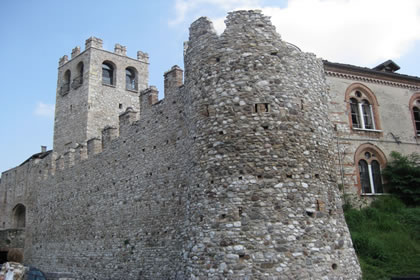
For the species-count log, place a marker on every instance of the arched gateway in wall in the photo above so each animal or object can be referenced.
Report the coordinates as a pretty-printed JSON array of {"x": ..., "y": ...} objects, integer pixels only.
[{"x": 19, "y": 216}]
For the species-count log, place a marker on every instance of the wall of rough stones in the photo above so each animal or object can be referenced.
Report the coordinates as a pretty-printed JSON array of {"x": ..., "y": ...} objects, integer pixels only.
[
  {"x": 266, "y": 202},
  {"x": 120, "y": 211},
  {"x": 229, "y": 176},
  {"x": 16, "y": 187},
  {"x": 12, "y": 238},
  {"x": 86, "y": 108}
]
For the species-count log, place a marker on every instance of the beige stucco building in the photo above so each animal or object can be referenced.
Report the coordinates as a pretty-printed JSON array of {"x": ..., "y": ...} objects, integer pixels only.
[{"x": 374, "y": 112}]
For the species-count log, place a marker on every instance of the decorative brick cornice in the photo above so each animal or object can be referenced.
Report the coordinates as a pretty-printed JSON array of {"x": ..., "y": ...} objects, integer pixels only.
[{"x": 370, "y": 80}]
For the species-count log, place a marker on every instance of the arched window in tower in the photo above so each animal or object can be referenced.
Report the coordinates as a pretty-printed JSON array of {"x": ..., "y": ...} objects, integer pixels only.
[
  {"x": 415, "y": 112},
  {"x": 370, "y": 160},
  {"x": 363, "y": 108},
  {"x": 19, "y": 216},
  {"x": 107, "y": 73},
  {"x": 78, "y": 81},
  {"x": 65, "y": 86},
  {"x": 130, "y": 79}
]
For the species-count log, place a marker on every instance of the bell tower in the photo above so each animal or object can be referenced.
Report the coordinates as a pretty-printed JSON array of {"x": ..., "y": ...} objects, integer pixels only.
[{"x": 93, "y": 88}]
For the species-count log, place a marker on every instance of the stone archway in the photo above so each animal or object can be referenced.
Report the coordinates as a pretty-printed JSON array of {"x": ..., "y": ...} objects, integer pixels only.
[{"x": 19, "y": 216}]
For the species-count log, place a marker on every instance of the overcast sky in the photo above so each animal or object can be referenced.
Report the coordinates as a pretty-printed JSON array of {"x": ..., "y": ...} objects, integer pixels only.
[{"x": 34, "y": 34}]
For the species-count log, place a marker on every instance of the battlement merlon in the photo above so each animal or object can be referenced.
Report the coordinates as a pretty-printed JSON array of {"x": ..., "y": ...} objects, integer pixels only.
[
  {"x": 121, "y": 50},
  {"x": 173, "y": 79},
  {"x": 143, "y": 57},
  {"x": 252, "y": 20},
  {"x": 202, "y": 28},
  {"x": 94, "y": 146},
  {"x": 126, "y": 119},
  {"x": 109, "y": 133},
  {"x": 148, "y": 97},
  {"x": 97, "y": 43},
  {"x": 80, "y": 153},
  {"x": 244, "y": 21},
  {"x": 63, "y": 60},
  {"x": 75, "y": 52},
  {"x": 93, "y": 42}
]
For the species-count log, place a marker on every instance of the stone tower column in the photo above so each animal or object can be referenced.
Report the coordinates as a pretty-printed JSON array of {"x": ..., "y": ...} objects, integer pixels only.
[
  {"x": 263, "y": 197},
  {"x": 85, "y": 101}
]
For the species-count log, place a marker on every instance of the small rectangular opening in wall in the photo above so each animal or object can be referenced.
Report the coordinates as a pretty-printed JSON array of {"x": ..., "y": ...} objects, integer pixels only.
[
  {"x": 320, "y": 205},
  {"x": 205, "y": 110},
  {"x": 120, "y": 106},
  {"x": 262, "y": 108},
  {"x": 3, "y": 255}
]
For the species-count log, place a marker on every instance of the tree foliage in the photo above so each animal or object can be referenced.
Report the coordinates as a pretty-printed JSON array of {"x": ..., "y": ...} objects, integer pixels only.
[{"x": 402, "y": 177}]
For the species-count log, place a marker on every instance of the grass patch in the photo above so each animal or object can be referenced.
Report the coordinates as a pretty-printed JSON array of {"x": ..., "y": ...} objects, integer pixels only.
[{"x": 386, "y": 237}]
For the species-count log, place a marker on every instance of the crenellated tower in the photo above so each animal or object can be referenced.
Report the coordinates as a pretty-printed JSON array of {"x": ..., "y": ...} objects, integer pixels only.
[
  {"x": 93, "y": 88},
  {"x": 264, "y": 202}
]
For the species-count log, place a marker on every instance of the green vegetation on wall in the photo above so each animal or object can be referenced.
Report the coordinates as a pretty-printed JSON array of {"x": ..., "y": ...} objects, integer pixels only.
[
  {"x": 402, "y": 177},
  {"x": 386, "y": 235}
]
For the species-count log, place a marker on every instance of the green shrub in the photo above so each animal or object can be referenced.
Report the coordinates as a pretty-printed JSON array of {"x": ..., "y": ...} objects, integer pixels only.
[
  {"x": 386, "y": 238},
  {"x": 402, "y": 177},
  {"x": 388, "y": 203},
  {"x": 353, "y": 217},
  {"x": 411, "y": 218}
]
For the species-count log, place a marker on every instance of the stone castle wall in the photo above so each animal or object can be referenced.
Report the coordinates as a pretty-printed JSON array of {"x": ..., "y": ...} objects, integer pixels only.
[
  {"x": 120, "y": 211},
  {"x": 266, "y": 202},
  {"x": 230, "y": 176}
]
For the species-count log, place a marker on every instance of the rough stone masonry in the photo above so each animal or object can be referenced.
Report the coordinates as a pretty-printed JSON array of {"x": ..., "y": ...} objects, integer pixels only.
[{"x": 230, "y": 176}]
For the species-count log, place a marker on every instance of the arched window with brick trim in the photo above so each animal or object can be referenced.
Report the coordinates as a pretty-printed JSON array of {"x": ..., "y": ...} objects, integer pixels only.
[
  {"x": 362, "y": 108},
  {"x": 370, "y": 160},
  {"x": 415, "y": 113}
]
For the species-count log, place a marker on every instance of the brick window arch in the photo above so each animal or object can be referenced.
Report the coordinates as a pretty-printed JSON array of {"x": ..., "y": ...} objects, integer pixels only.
[
  {"x": 369, "y": 161},
  {"x": 362, "y": 106},
  {"x": 414, "y": 106}
]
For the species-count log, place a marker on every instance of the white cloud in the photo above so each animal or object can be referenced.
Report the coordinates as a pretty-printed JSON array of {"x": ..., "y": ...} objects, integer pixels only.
[
  {"x": 44, "y": 110},
  {"x": 360, "y": 32},
  {"x": 354, "y": 31}
]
